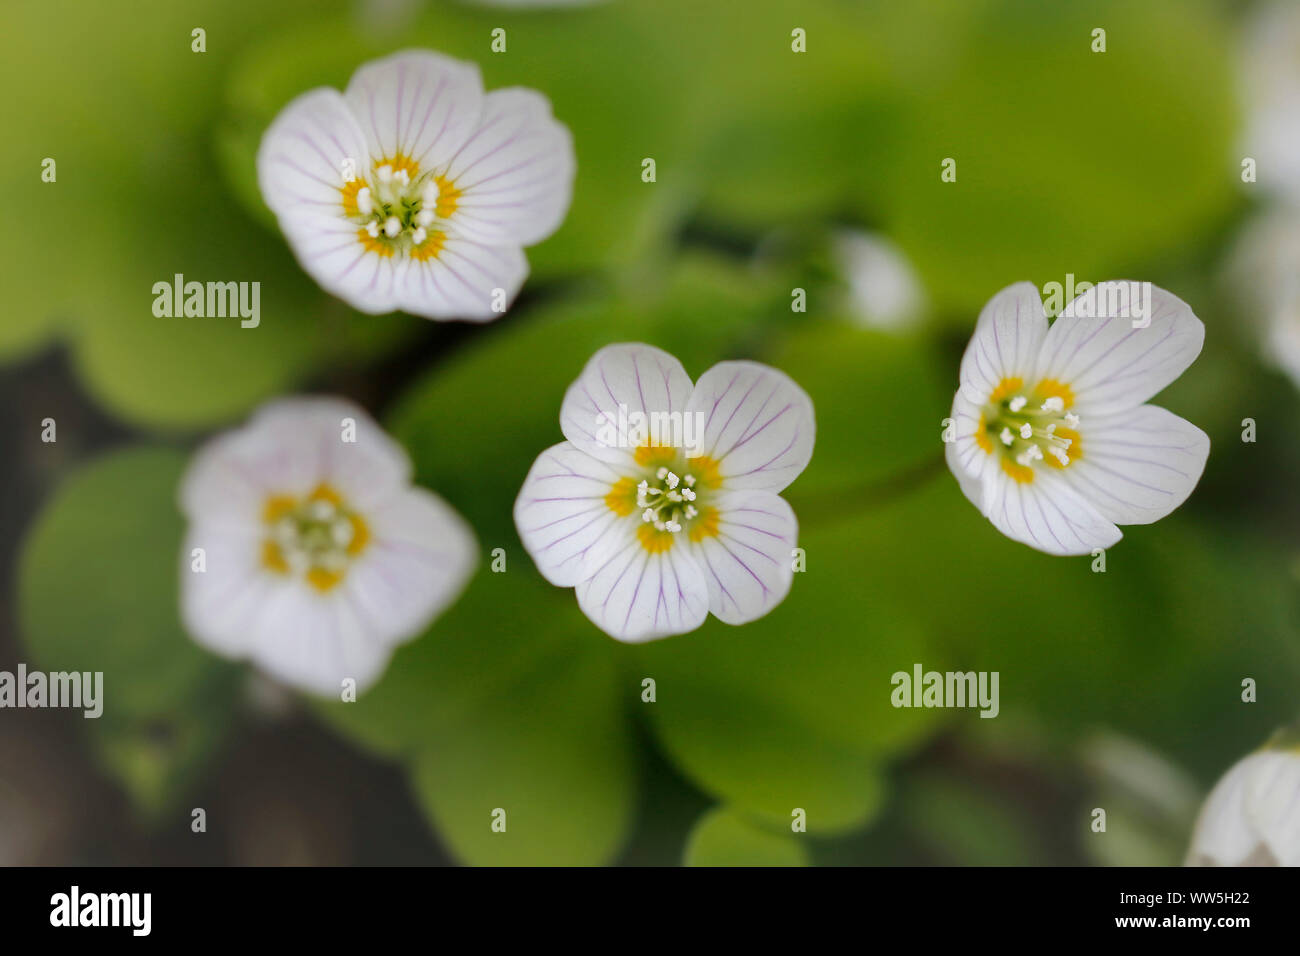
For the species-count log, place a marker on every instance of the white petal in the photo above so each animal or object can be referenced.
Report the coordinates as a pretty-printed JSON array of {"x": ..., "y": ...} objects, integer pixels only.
[
  {"x": 304, "y": 158},
  {"x": 515, "y": 173},
  {"x": 1108, "y": 364},
  {"x": 756, "y": 422},
  {"x": 466, "y": 280},
  {"x": 748, "y": 564},
  {"x": 971, "y": 484},
  {"x": 299, "y": 636},
  {"x": 964, "y": 454},
  {"x": 1272, "y": 804},
  {"x": 1046, "y": 514},
  {"x": 289, "y": 447},
  {"x": 419, "y": 559},
  {"x": 637, "y": 596},
  {"x": 1252, "y": 814},
  {"x": 1136, "y": 467},
  {"x": 1005, "y": 345},
  {"x": 562, "y": 516},
  {"x": 417, "y": 104},
  {"x": 620, "y": 386}
]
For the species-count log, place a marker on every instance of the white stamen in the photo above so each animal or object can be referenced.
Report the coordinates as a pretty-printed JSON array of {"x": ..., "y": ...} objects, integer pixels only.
[
  {"x": 403, "y": 177},
  {"x": 1054, "y": 404},
  {"x": 365, "y": 205},
  {"x": 385, "y": 173},
  {"x": 672, "y": 480},
  {"x": 1060, "y": 455},
  {"x": 424, "y": 218},
  {"x": 1072, "y": 419},
  {"x": 429, "y": 196},
  {"x": 419, "y": 236},
  {"x": 392, "y": 226},
  {"x": 372, "y": 228},
  {"x": 688, "y": 494},
  {"x": 1007, "y": 437},
  {"x": 690, "y": 511},
  {"x": 674, "y": 527},
  {"x": 661, "y": 474},
  {"x": 1026, "y": 430},
  {"x": 341, "y": 532},
  {"x": 1017, "y": 403},
  {"x": 647, "y": 516},
  {"x": 321, "y": 510},
  {"x": 690, "y": 481}
]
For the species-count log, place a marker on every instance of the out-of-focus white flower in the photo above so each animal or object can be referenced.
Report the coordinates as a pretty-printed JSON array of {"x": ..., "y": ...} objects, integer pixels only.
[
  {"x": 1271, "y": 88},
  {"x": 1052, "y": 439},
  {"x": 319, "y": 556},
  {"x": 663, "y": 504},
  {"x": 1264, "y": 273},
  {"x": 415, "y": 190},
  {"x": 884, "y": 289},
  {"x": 1252, "y": 816}
]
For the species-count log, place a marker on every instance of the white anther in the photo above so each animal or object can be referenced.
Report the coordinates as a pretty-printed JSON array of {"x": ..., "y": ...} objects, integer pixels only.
[
  {"x": 424, "y": 218},
  {"x": 341, "y": 532},
  {"x": 1072, "y": 419},
  {"x": 690, "y": 481},
  {"x": 419, "y": 236},
  {"x": 392, "y": 226},
  {"x": 385, "y": 173},
  {"x": 688, "y": 494},
  {"x": 661, "y": 474},
  {"x": 647, "y": 515},
  {"x": 659, "y": 526},
  {"x": 321, "y": 510},
  {"x": 672, "y": 480},
  {"x": 673, "y": 496},
  {"x": 674, "y": 527},
  {"x": 429, "y": 195},
  {"x": 1060, "y": 455},
  {"x": 1051, "y": 429},
  {"x": 1017, "y": 403},
  {"x": 372, "y": 229},
  {"x": 1054, "y": 404},
  {"x": 403, "y": 177},
  {"x": 1026, "y": 430},
  {"x": 365, "y": 205},
  {"x": 690, "y": 511},
  {"x": 1007, "y": 437}
]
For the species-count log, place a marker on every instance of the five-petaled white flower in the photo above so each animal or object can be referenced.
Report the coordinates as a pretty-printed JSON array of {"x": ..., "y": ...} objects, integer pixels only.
[
  {"x": 663, "y": 503},
  {"x": 319, "y": 556},
  {"x": 1051, "y": 438},
  {"x": 1252, "y": 816},
  {"x": 415, "y": 190}
]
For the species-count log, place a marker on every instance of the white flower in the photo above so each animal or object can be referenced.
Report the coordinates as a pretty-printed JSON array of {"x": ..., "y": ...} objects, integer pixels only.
[
  {"x": 319, "y": 556},
  {"x": 1271, "y": 88},
  {"x": 884, "y": 289},
  {"x": 1096, "y": 455},
  {"x": 1264, "y": 272},
  {"x": 656, "y": 527},
  {"x": 1252, "y": 816},
  {"x": 414, "y": 189}
]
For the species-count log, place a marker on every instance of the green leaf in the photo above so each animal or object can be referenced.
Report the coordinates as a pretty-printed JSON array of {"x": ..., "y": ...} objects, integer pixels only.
[
  {"x": 97, "y": 592},
  {"x": 134, "y": 204},
  {"x": 723, "y": 838},
  {"x": 1068, "y": 161}
]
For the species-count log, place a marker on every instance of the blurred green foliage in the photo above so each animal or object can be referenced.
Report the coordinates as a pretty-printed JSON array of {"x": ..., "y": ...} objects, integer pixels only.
[{"x": 1067, "y": 162}]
